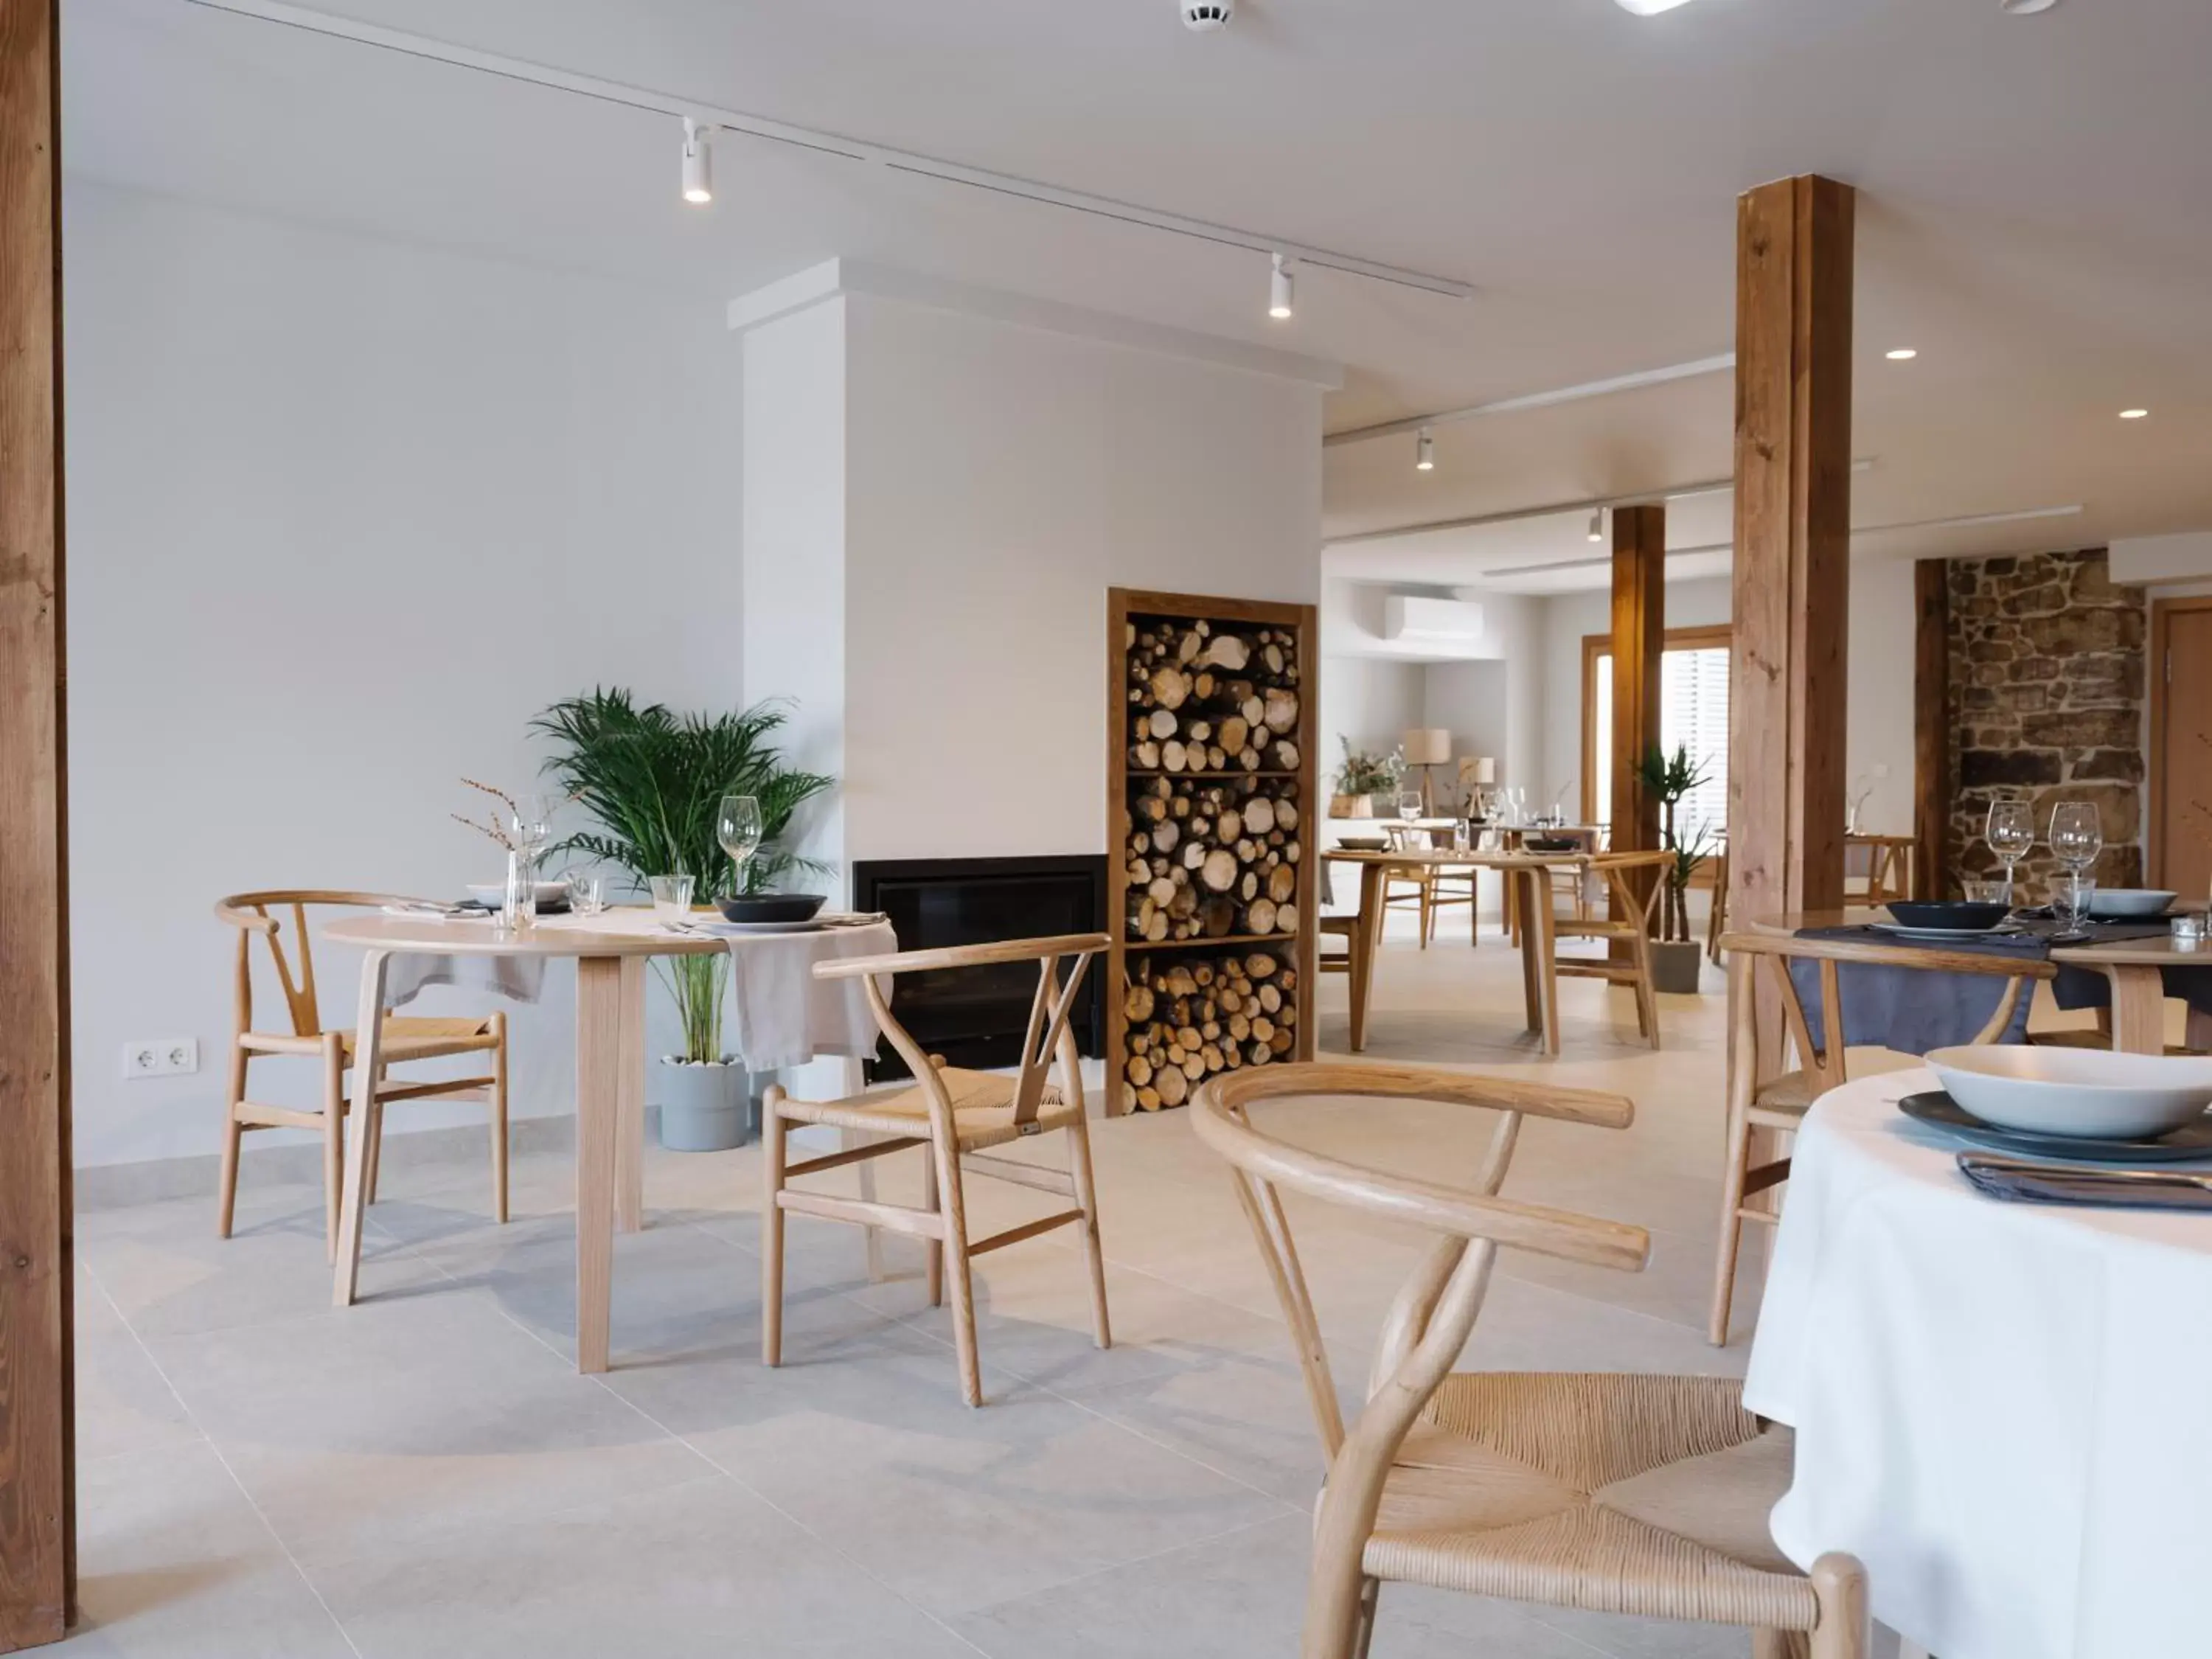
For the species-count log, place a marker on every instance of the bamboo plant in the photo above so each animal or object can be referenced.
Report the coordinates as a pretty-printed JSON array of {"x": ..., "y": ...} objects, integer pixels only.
[{"x": 653, "y": 781}]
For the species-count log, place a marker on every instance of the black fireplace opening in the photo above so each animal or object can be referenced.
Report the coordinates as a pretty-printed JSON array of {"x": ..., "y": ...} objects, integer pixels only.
[{"x": 977, "y": 1016}]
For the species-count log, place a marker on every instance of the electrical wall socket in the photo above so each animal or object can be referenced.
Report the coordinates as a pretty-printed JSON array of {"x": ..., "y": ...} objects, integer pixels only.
[{"x": 160, "y": 1057}]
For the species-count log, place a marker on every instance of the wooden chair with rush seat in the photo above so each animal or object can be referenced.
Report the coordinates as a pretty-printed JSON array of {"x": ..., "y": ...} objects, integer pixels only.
[
  {"x": 954, "y": 1116},
  {"x": 1776, "y": 1104},
  {"x": 407, "y": 1038},
  {"x": 1629, "y": 926},
  {"x": 1646, "y": 1496}
]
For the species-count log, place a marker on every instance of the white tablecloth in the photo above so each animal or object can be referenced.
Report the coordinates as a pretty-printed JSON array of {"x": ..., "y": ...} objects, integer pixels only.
[
  {"x": 2000, "y": 1407},
  {"x": 780, "y": 1015}
]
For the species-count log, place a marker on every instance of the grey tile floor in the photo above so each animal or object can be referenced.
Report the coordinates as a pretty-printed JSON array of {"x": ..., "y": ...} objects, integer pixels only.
[{"x": 425, "y": 1474}]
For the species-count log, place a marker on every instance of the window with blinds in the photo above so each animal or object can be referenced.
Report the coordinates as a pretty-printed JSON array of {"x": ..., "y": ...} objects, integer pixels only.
[{"x": 1693, "y": 710}]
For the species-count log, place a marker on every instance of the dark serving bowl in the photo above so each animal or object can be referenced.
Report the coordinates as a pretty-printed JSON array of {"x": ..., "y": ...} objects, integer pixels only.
[
  {"x": 1552, "y": 844},
  {"x": 770, "y": 907},
  {"x": 1963, "y": 916}
]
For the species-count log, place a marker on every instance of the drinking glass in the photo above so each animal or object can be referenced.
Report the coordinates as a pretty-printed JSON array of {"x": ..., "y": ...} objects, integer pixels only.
[
  {"x": 2011, "y": 833},
  {"x": 2077, "y": 835},
  {"x": 531, "y": 825},
  {"x": 2071, "y": 902},
  {"x": 588, "y": 894},
  {"x": 1409, "y": 805},
  {"x": 518, "y": 908},
  {"x": 1988, "y": 892},
  {"x": 672, "y": 898},
  {"x": 738, "y": 827}
]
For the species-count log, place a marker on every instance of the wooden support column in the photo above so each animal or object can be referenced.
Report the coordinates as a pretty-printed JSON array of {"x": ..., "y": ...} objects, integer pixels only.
[
  {"x": 1792, "y": 578},
  {"x": 1639, "y": 639},
  {"x": 37, "y": 1454},
  {"x": 1931, "y": 727}
]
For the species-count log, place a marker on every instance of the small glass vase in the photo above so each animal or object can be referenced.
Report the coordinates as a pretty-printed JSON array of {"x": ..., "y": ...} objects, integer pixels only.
[{"x": 519, "y": 911}]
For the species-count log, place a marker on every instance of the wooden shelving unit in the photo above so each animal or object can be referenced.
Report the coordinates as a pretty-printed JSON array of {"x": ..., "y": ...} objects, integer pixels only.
[{"x": 1211, "y": 810}]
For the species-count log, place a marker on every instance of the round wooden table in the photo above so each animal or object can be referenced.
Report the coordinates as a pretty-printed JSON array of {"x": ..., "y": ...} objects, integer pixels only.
[{"x": 610, "y": 951}]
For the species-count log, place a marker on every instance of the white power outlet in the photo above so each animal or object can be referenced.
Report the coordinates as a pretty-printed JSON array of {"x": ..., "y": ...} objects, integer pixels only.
[{"x": 160, "y": 1057}]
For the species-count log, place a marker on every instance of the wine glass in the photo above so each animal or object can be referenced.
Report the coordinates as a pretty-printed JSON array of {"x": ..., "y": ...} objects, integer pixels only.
[
  {"x": 1409, "y": 805},
  {"x": 2011, "y": 835},
  {"x": 738, "y": 827},
  {"x": 2077, "y": 836}
]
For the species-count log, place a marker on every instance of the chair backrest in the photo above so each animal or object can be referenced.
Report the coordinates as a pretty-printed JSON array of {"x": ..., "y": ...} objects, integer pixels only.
[
  {"x": 1433, "y": 1313},
  {"x": 1754, "y": 958},
  {"x": 248, "y": 913},
  {"x": 1048, "y": 1034},
  {"x": 1624, "y": 872}
]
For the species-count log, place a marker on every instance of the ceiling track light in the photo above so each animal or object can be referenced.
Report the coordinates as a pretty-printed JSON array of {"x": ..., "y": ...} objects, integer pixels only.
[
  {"x": 698, "y": 163},
  {"x": 2026, "y": 7},
  {"x": 1280, "y": 286},
  {"x": 1597, "y": 524},
  {"x": 1653, "y": 8},
  {"x": 1425, "y": 452}
]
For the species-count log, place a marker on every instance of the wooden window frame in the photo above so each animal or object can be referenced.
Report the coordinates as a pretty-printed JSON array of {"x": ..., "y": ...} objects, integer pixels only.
[
  {"x": 1715, "y": 636},
  {"x": 2161, "y": 613}
]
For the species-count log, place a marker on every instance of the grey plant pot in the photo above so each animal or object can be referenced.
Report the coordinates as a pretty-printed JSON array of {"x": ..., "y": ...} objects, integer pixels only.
[
  {"x": 702, "y": 1107},
  {"x": 1675, "y": 966}
]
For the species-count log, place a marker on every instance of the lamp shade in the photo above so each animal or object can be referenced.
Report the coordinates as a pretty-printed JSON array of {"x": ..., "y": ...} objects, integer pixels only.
[
  {"x": 1427, "y": 746},
  {"x": 1480, "y": 769}
]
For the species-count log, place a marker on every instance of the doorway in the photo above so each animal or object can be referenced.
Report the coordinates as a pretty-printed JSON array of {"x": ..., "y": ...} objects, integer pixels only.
[{"x": 2181, "y": 745}]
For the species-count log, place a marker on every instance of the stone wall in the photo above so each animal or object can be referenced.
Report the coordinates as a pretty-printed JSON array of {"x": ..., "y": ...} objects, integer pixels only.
[{"x": 2047, "y": 687}]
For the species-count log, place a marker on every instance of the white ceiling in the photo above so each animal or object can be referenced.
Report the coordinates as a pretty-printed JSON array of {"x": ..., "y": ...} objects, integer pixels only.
[{"x": 2035, "y": 217}]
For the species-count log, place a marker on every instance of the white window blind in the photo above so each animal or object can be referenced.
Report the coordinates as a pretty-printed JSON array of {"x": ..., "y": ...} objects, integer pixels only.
[{"x": 1693, "y": 709}]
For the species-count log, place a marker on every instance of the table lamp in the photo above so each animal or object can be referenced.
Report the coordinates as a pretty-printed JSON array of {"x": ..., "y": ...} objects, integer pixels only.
[
  {"x": 1476, "y": 774},
  {"x": 1427, "y": 747}
]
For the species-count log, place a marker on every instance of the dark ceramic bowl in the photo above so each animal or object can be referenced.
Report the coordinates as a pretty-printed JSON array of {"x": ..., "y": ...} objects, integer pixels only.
[
  {"x": 1963, "y": 917},
  {"x": 770, "y": 907},
  {"x": 1552, "y": 844}
]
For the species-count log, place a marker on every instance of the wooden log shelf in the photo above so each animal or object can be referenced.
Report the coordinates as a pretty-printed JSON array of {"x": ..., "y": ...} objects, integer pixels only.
[{"x": 1211, "y": 808}]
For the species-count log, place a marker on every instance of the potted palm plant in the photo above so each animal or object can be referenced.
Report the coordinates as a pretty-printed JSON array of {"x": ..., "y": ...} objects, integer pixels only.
[
  {"x": 1668, "y": 779},
  {"x": 651, "y": 780}
]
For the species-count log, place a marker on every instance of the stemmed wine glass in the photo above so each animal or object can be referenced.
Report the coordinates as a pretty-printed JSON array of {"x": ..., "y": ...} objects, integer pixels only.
[
  {"x": 2077, "y": 836},
  {"x": 529, "y": 828},
  {"x": 2011, "y": 835},
  {"x": 738, "y": 827}
]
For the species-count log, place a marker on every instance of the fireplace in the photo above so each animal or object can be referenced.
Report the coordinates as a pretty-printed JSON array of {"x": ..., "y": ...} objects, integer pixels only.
[{"x": 976, "y": 1016}]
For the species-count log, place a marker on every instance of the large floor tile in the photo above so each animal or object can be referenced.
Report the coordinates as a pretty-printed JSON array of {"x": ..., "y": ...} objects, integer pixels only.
[
  {"x": 399, "y": 1422},
  {"x": 701, "y": 1571},
  {"x": 173, "y": 1563},
  {"x": 124, "y": 1403}
]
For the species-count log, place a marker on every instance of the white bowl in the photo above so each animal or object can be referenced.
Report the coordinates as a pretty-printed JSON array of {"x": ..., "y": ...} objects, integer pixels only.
[
  {"x": 493, "y": 894},
  {"x": 2129, "y": 904},
  {"x": 2085, "y": 1092}
]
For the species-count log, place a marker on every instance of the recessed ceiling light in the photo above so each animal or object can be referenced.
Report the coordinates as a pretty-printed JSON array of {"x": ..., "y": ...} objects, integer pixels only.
[
  {"x": 2133, "y": 414},
  {"x": 1653, "y": 8},
  {"x": 1279, "y": 285},
  {"x": 2027, "y": 7},
  {"x": 1425, "y": 452},
  {"x": 1902, "y": 354}
]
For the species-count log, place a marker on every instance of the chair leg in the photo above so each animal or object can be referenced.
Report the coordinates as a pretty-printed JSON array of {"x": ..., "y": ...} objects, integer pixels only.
[
  {"x": 932, "y": 1250},
  {"x": 1087, "y": 1199},
  {"x": 1369, "y": 1604},
  {"x": 772, "y": 1130},
  {"x": 499, "y": 1120},
  {"x": 226, "y": 1205},
  {"x": 333, "y": 1140},
  {"x": 1780, "y": 1644},
  {"x": 375, "y": 1155},
  {"x": 1427, "y": 914},
  {"x": 952, "y": 1207},
  {"x": 1647, "y": 992},
  {"x": 1731, "y": 1242},
  {"x": 1846, "y": 1627}
]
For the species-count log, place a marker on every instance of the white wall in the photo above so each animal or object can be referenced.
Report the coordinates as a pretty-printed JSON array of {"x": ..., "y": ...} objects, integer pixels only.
[
  {"x": 343, "y": 514},
  {"x": 1370, "y": 702}
]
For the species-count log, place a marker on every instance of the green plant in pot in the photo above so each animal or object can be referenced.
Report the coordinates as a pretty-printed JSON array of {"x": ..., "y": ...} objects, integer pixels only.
[
  {"x": 1668, "y": 779},
  {"x": 651, "y": 780},
  {"x": 1362, "y": 777}
]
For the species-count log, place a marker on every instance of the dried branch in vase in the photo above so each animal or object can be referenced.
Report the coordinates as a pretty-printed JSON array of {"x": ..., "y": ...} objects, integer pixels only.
[{"x": 492, "y": 826}]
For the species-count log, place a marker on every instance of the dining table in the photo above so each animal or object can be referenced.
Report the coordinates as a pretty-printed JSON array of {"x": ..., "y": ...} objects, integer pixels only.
[
  {"x": 611, "y": 951},
  {"x": 2130, "y": 969},
  {"x": 1527, "y": 874},
  {"x": 1994, "y": 1403}
]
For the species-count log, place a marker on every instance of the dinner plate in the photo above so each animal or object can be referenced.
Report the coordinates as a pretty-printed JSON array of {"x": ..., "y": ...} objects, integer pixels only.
[
  {"x": 2193, "y": 1140},
  {"x": 1948, "y": 935},
  {"x": 812, "y": 924}
]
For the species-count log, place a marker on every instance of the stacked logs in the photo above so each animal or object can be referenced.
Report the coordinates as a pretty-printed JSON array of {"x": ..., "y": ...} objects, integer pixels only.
[
  {"x": 1204, "y": 699},
  {"x": 1206, "y": 860},
  {"x": 1186, "y": 1019}
]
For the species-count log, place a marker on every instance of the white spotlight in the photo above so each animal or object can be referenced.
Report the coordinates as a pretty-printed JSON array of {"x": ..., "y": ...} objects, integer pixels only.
[
  {"x": 1597, "y": 524},
  {"x": 1425, "y": 452},
  {"x": 1279, "y": 290},
  {"x": 1649, "y": 8},
  {"x": 698, "y": 163}
]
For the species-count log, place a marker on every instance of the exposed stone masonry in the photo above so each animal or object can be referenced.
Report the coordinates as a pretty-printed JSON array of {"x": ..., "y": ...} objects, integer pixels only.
[{"x": 2047, "y": 687}]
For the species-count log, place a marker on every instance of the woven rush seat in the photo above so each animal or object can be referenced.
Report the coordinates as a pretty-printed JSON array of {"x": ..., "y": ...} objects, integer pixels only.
[
  {"x": 406, "y": 1036},
  {"x": 1795, "y": 1091},
  {"x": 1645, "y": 1496},
  {"x": 982, "y": 1110}
]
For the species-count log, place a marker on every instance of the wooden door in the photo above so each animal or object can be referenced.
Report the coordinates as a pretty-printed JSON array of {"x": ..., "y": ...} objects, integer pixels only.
[{"x": 2181, "y": 746}]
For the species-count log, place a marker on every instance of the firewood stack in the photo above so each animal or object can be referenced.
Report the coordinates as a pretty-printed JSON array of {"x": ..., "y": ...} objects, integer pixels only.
[
  {"x": 1189, "y": 1019},
  {"x": 1212, "y": 846}
]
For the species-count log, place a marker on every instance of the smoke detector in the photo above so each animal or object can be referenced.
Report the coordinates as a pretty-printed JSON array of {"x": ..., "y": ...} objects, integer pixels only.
[{"x": 1204, "y": 16}]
